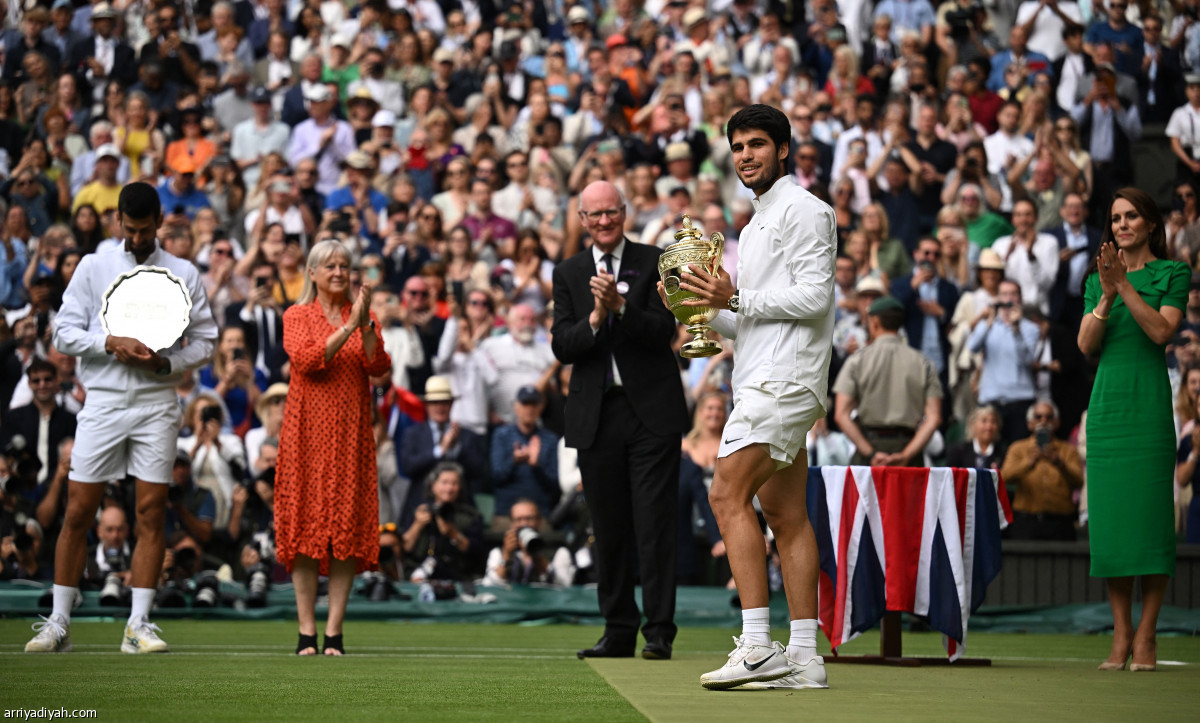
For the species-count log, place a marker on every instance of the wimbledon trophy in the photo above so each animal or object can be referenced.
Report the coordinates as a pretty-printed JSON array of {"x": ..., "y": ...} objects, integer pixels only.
[
  {"x": 148, "y": 303},
  {"x": 691, "y": 248}
]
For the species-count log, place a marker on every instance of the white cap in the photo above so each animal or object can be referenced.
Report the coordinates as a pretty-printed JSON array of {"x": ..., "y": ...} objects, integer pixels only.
[
  {"x": 384, "y": 119},
  {"x": 108, "y": 149}
]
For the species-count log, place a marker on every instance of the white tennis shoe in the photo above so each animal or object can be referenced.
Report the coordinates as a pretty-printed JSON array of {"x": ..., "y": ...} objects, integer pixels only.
[
  {"x": 142, "y": 637},
  {"x": 809, "y": 675},
  {"x": 749, "y": 664},
  {"x": 53, "y": 636}
]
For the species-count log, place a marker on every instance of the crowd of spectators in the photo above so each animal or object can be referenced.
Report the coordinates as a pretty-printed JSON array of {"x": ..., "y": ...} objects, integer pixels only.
[{"x": 969, "y": 151}]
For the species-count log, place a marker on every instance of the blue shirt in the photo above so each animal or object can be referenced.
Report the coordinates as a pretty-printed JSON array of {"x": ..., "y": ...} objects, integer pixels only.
[
  {"x": 1128, "y": 61},
  {"x": 11, "y": 271},
  {"x": 192, "y": 201},
  {"x": 512, "y": 481},
  {"x": 913, "y": 15},
  {"x": 342, "y": 197},
  {"x": 1007, "y": 374}
]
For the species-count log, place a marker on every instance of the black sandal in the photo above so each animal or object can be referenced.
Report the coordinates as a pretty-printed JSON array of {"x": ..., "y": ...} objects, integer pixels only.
[
  {"x": 333, "y": 642},
  {"x": 306, "y": 642}
]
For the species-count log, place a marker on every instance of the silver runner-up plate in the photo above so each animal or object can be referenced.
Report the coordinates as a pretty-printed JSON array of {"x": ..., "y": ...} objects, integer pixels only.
[{"x": 148, "y": 303}]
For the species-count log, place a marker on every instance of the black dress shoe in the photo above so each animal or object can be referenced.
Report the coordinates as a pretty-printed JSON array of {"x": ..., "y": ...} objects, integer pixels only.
[
  {"x": 657, "y": 650},
  {"x": 607, "y": 648}
]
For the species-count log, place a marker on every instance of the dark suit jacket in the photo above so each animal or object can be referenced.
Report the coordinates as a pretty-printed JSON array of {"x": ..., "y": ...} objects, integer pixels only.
[
  {"x": 883, "y": 82},
  {"x": 1089, "y": 67},
  {"x": 1059, "y": 292},
  {"x": 261, "y": 68},
  {"x": 1167, "y": 86},
  {"x": 24, "y": 421},
  {"x": 639, "y": 341},
  {"x": 658, "y": 153},
  {"x": 963, "y": 455},
  {"x": 124, "y": 63},
  {"x": 914, "y": 318},
  {"x": 274, "y": 356},
  {"x": 415, "y": 445},
  {"x": 293, "y": 112}
]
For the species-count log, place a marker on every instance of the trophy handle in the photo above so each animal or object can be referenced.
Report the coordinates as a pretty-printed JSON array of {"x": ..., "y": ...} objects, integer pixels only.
[{"x": 717, "y": 250}]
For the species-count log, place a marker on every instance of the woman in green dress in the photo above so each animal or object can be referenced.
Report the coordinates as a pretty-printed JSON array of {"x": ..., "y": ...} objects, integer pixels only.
[{"x": 1134, "y": 300}]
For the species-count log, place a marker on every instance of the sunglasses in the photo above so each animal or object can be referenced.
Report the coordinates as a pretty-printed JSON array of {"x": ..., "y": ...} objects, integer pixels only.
[
  {"x": 477, "y": 302},
  {"x": 418, "y": 294},
  {"x": 222, "y": 252},
  {"x": 428, "y": 217},
  {"x": 33, "y": 382}
]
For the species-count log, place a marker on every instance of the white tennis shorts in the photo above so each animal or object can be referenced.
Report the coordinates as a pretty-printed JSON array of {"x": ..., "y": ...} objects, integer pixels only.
[
  {"x": 777, "y": 414},
  {"x": 140, "y": 441}
]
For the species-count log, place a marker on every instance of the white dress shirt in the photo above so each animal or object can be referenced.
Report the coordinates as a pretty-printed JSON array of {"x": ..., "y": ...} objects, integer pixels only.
[{"x": 1035, "y": 276}]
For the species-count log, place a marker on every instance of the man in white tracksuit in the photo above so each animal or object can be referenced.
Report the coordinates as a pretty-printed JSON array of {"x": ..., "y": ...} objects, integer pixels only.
[
  {"x": 781, "y": 320},
  {"x": 130, "y": 421}
]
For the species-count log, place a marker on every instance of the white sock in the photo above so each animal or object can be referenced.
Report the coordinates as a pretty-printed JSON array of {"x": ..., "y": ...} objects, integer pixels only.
[
  {"x": 802, "y": 646},
  {"x": 143, "y": 598},
  {"x": 756, "y": 626},
  {"x": 64, "y": 598}
]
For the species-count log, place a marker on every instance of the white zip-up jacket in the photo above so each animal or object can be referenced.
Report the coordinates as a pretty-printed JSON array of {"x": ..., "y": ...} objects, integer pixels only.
[
  {"x": 79, "y": 332},
  {"x": 784, "y": 328}
]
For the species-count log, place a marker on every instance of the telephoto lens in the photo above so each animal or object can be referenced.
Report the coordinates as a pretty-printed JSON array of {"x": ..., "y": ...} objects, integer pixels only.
[
  {"x": 110, "y": 594},
  {"x": 257, "y": 584},
  {"x": 208, "y": 590}
]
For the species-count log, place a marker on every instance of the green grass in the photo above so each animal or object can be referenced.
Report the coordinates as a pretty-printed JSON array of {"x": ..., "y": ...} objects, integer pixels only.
[{"x": 244, "y": 671}]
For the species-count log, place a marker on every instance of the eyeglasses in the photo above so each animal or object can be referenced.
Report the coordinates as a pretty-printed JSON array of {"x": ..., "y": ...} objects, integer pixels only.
[
  {"x": 428, "y": 217},
  {"x": 1043, "y": 416},
  {"x": 594, "y": 216},
  {"x": 35, "y": 381},
  {"x": 456, "y": 172},
  {"x": 517, "y": 164},
  {"x": 417, "y": 294},
  {"x": 477, "y": 302},
  {"x": 222, "y": 251}
]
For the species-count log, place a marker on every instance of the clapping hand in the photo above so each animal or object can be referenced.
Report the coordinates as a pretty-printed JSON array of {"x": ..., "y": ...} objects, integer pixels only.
[{"x": 1112, "y": 270}]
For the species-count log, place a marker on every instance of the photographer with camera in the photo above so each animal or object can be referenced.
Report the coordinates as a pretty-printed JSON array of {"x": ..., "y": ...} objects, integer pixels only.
[
  {"x": 444, "y": 541},
  {"x": 42, "y": 424},
  {"x": 1007, "y": 341},
  {"x": 1046, "y": 471},
  {"x": 190, "y": 509},
  {"x": 108, "y": 561},
  {"x": 524, "y": 557},
  {"x": 218, "y": 462}
]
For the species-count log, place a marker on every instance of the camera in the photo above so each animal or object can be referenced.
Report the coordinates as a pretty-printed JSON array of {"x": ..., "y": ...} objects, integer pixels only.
[
  {"x": 972, "y": 162},
  {"x": 261, "y": 281},
  {"x": 341, "y": 224},
  {"x": 531, "y": 541},
  {"x": 178, "y": 210},
  {"x": 444, "y": 510},
  {"x": 1003, "y": 305},
  {"x": 22, "y": 460},
  {"x": 113, "y": 594},
  {"x": 208, "y": 590},
  {"x": 960, "y": 21},
  {"x": 175, "y": 494},
  {"x": 239, "y": 353},
  {"x": 258, "y": 582},
  {"x": 211, "y": 413},
  {"x": 1042, "y": 436},
  {"x": 293, "y": 239},
  {"x": 925, "y": 266}
]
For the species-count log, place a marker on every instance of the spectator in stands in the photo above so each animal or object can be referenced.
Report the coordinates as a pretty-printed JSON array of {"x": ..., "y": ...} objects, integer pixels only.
[
  {"x": 112, "y": 552},
  {"x": 1046, "y": 471},
  {"x": 254, "y": 138},
  {"x": 524, "y": 459},
  {"x": 1007, "y": 341},
  {"x": 234, "y": 377},
  {"x": 512, "y": 361},
  {"x": 84, "y": 165},
  {"x": 1114, "y": 29},
  {"x": 43, "y": 424},
  {"x": 1030, "y": 258},
  {"x": 1078, "y": 243},
  {"x": 929, "y": 301},
  {"x": 523, "y": 557},
  {"x": 492, "y": 233},
  {"x": 419, "y": 311},
  {"x": 103, "y": 56},
  {"x": 894, "y": 389},
  {"x": 191, "y": 509},
  {"x": 1183, "y": 129},
  {"x": 218, "y": 459},
  {"x": 13, "y": 252},
  {"x": 269, "y": 410},
  {"x": 983, "y": 225},
  {"x": 440, "y": 439},
  {"x": 102, "y": 192},
  {"x": 1028, "y": 62},
  {"x": 982, "y": 448},
  {"x": 1109, "y": 123},
  {"x": 322, "y": 137},
  {"x": 445, "y": 539}
]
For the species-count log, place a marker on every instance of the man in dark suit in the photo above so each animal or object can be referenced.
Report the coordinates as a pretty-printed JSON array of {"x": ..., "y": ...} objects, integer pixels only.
[
  {"x": 929, "y": 301},
  {"x": 26, "y": 421},
  {"x": 625, "y": 415},
  {"x": 1161, "y": 76},
  {"x": 261, "y": 320},
  {"x": 1078, "y": 244},
  {"x": 437, "y": 440}
]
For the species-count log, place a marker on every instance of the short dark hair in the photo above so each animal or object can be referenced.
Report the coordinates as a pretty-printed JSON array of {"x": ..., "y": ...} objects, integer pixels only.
[
  {"x": 139, "y": 200},
  {"x": 762, "y": 117},
  {"x": 890, "y": 319},
  {"x": 40, "y": 365}
]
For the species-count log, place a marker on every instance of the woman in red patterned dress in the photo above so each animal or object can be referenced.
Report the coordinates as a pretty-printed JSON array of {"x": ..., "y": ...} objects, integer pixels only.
[{"x": 326, "y": 502}]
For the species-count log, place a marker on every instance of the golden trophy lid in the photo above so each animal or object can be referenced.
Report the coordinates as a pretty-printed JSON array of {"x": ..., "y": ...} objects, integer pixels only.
[{"x": 688, "y": 232}]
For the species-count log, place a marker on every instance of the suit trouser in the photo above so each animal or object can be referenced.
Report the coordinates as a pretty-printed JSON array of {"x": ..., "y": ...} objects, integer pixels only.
[{"x": 631, "y": 483}]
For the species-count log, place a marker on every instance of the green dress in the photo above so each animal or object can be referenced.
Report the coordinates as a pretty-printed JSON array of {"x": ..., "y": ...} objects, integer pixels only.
[{"x": 1131, "y": 434}]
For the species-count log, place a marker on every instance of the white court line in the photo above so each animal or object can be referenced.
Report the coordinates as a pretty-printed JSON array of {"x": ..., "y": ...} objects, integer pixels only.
[{"x": 288, "y": 654}]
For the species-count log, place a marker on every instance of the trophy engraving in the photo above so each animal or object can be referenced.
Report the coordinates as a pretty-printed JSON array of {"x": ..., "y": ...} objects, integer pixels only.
[{"x": 691, "y": 248}]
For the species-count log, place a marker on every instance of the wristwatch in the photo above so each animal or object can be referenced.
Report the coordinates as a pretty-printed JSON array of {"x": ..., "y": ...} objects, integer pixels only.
[
  {"x": 165, "y": 368},
  {"x": 735, "y": 302}
]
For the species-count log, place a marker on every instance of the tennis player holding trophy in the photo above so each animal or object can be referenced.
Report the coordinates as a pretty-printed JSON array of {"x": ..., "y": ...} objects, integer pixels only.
[{"x": 137, "y": 318}]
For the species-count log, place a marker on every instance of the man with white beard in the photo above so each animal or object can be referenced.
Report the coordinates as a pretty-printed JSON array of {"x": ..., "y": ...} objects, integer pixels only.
[{"x": 513, "y": 360}]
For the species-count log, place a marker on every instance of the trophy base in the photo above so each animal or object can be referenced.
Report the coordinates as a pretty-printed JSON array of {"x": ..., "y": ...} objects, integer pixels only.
[{"x": 700, "y": 347}]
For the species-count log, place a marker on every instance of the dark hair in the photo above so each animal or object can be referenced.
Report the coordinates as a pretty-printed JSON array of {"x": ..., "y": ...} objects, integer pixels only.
[
  {"x": 87, "y": 241},
  {"x": 1013, "y": 102},
  {"x": 1026, "y": 199},
  {"x": 40, "y": 365},
  {"x": 139, "y": 200},
  {"x": 397, "y": 208},
  {"x": 765, "y": 118},
  {"x": 890, "y": 319},
  {"x": 1144, "y": 205}
]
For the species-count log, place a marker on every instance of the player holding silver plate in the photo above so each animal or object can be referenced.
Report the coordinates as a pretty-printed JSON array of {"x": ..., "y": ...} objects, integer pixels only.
[
  {"x": 130, "y": 422},
  {"x": 781, "y": 321}
]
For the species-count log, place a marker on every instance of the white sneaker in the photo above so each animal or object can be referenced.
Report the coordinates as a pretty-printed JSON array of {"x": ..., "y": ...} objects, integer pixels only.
[
  {"x": 53, "y": 636},
  {"x": 809, "y": 675},
  {"x": 748, "y": 664},
  {"x": 142, "y": 637}
]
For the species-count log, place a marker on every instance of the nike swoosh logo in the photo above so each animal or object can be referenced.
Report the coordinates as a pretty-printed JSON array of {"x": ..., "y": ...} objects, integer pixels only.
[
  {"x": 757, "y": 665},
  {"x": 736, "y": 439}
]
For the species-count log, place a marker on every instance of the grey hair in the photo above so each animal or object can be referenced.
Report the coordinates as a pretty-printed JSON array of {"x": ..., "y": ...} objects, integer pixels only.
[
  {"x": 968, "y": 187},
  {"x": 441, "y": 468},
  {"x": 100, "y": 126},
  {"x": 1047, "y": 402},
  {"x": 979, "y": 412},
  {"x": 317, "y": 255}
]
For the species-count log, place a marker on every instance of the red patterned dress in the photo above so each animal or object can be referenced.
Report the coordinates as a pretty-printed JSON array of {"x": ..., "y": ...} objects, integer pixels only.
[{"x": 326, "y": 496}]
